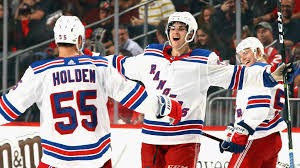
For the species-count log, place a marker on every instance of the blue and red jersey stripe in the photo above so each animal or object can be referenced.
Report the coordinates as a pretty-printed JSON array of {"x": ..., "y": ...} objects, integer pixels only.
[{"x": 81, "y": 152}]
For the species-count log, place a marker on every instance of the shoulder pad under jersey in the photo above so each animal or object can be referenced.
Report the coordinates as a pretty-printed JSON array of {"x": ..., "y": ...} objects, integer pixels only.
[
  {"x": 200, "y": 52},
  {"x": 155, "y": 46},
  {"x": 260, "y": 64}
]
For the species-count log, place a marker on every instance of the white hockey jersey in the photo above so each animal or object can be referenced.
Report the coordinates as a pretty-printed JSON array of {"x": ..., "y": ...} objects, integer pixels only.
[
  {"x": 260, "y": 109},
  {"x": 71, "y": 94},
  {"x": 186, "y": 79}
]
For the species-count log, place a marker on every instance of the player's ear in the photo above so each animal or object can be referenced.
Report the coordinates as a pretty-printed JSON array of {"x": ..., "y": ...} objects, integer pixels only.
[
  {"x": 258, "y": 52},
  {"x": 260, "y": 55}
]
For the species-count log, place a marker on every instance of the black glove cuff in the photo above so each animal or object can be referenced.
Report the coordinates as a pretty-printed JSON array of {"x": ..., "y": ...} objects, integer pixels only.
[{"x": 247, "y": 127}]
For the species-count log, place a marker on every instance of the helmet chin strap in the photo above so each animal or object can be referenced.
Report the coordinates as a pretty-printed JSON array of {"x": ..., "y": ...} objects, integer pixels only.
[
  {"x": 186, "y": 41},
  {"x": 180, "y": 46}
]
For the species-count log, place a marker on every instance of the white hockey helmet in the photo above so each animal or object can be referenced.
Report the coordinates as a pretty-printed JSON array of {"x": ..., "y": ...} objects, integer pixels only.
[
  {"x": 186, "y": 18},
  {"x": 250, "y": 42},
  {"x": 67, "y": 29}
]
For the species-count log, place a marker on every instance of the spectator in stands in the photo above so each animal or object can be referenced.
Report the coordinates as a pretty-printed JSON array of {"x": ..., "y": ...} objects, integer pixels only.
[
  {"x": 95, "y": 43},
  {"x": 296, "y": 80},
  {"x": 205, "y": 15},
  {"x": 272, "y": 16},
  {"x": 157, "y": 10},
  {"x": 291, "y": 25},
  {"x": 181, "y": 5},
  {"x": 124, "y": 5},
  {"x": 70, "y": 9},
  {"x": 89, "y": 10},
  {"x": 125, "y": 42},
  {"x": 264, "y": 33},
  {"x": 296, "y": 52},
  {"x": 224, "y": 20},
  {"x": 30, "y": 23},
  {"x": 295, "y": 56},
  {"x": 101, "y": 38},
  {"x": 196, "y": 6},
  {"x": 103, "y": 33},
  {"x": 260, "y": 8},
  {"x": 161, "y": 36},
  {"x": 207, "y": 39}
]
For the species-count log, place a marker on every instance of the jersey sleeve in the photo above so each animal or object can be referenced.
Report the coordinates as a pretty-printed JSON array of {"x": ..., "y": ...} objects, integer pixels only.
[
  {"x": 239, "y": 77},
  {"x": 257, "y": 107},
  {"x": 19, "y": 98},
  {"x": 130, "y": 94},
  {"x": 213, "y": 59},
  {"x": 127, "y": 66}
]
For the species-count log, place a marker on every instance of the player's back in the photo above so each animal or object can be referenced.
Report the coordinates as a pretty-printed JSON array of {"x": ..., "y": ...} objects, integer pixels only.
[{"x": 72, "y": 98}]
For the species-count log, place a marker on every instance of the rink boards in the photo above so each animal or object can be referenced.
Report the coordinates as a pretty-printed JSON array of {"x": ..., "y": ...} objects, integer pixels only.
[{"x": 20, "y": 145}]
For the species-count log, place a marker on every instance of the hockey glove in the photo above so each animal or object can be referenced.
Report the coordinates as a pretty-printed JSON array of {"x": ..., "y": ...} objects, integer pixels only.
[
  {"x": 238, "y": 139},
  {"x": 277, "y": 71},
  {"x": 228, "y": 132},
  {"x": 171, "y": 108}
]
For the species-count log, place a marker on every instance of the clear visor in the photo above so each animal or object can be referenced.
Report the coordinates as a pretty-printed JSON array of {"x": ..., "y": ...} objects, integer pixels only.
[
  {"x": 243, "y": 52},
  {"x": 179, "y": 28}
]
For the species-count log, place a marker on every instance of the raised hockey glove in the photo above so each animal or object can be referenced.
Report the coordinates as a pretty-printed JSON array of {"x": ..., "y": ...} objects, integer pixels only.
[
  {"x": 238, "y": 139},
  {"x": 277, "y": 71},
  {"x": 171, "y": 108},
  {"x": 228, "y": 132}
]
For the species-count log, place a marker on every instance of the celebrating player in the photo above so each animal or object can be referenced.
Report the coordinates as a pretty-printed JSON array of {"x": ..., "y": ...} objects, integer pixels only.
[
  {"x": 178, "y": 72},
  {"x": 71, "y": 93},
  {"x": 255, "y": 137}
]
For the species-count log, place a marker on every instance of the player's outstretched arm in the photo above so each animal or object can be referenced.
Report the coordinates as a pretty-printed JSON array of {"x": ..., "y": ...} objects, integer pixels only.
[
  {"x": 241, "y": 77},
  {"x": 134, "y": 96},
  {"x": 19, "y": 98}
]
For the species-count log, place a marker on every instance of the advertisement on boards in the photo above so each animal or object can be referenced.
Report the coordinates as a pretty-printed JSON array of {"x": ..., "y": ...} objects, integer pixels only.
[{"x": 20, "y": 146}]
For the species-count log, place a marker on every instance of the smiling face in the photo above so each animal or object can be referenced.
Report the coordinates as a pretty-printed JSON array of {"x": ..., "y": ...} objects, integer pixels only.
[
  {"x": 247, "y": 57},
  {"x": 287, "y": 8},
  {"x": 207, "y": 15},
  {"x": 177, "y": 34},
  {"x": 202, "y": 37}
]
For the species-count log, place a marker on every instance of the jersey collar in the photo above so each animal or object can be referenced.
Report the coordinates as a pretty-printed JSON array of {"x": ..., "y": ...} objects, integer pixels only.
[{"x": 167, "y": 54}]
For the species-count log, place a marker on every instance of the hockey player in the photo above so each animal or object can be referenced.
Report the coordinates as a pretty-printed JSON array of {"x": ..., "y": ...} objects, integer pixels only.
[
  {"x": 71, "y": 93},
  {"x": 178, "y": 72},
  {"x": 255, "y": 139}
]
